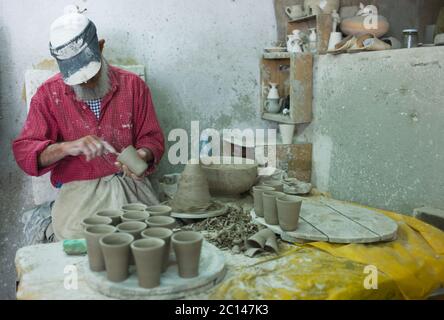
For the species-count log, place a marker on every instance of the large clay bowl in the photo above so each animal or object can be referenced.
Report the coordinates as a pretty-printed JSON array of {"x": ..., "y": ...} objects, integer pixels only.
[
  {"x": 355, "y": 26},
  {"x": 228, "y": 177}
]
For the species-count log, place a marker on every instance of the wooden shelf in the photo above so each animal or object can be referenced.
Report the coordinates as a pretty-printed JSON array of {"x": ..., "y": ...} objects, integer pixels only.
[
  {"x": 276, "y": 55},
  {"x": 302, "y": 19},
  {"x": 294, "y": 77}
]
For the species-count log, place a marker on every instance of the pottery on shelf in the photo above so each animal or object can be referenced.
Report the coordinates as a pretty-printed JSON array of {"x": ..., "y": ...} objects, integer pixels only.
[
  {"x": 356, "y": 26},
  {"x": 295, "y": 12},
  {"x": 193, "y": 193},
  {"x": 321, "y": 6},
  {"x": 116, "y": 251},
  {"x": 257, "y": 196},
  {"x": 148, "y": 254},
  {"x": 134, "y": 207},
  {"x": 275, "y": 184},
  {"x": 287, "y": 132},
  {"x": 161, "y": 222},
  {"x": 272, "y": 105},
  {"x": 164, "y": 234},
  {"x": 270, "y": 208},
  {"x": 132, "y": 160},
  {"x": 289, "y": 208},
  {"x": 335, "y": 38},
  {"x": 273, "y": 92},
  {"x": 115, "y": 215},
  {"x": 187, "y": 246},
  {"x": 294, "y": 41},
  {"x": 95, "y": 220},
  {"x": 92, "y": 236},
  {"x": 135, "y": 216},
  {"x": 159, "y": 210},
  {"x": 312, "y": 40}
]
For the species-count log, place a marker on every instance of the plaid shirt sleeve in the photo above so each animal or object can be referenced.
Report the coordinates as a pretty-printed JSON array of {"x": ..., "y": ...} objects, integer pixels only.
[
  {"x": 39, "y": 131},
  {"x": 148, "y": 133}
]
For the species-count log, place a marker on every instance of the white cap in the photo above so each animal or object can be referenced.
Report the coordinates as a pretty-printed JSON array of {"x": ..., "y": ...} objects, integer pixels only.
[{"x": 67, "y": 27}]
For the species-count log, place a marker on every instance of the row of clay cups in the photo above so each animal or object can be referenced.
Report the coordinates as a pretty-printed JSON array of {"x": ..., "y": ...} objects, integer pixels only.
[
  {"x": 111, "y": 250},
  {"x": 276, "y": 207},
  {"x": 129, "y": 212}
]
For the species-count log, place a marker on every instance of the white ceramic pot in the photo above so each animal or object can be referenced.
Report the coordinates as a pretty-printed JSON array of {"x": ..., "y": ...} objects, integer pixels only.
[
  {"x": 335, "y": 38},
  {"x": 287, "y": 133}
]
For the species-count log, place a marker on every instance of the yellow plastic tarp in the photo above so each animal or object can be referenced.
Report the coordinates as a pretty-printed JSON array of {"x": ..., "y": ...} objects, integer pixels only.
[{"x": 411, "y": 267}]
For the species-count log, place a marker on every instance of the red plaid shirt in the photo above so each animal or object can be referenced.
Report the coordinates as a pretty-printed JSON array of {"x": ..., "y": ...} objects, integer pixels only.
[{"x": 127, "y": 116}]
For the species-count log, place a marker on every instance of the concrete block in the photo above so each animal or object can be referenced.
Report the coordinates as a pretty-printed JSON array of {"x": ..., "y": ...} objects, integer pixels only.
[{"x": 432, "y": 216}]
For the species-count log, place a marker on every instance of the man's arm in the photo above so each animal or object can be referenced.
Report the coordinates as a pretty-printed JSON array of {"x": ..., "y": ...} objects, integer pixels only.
[{"x": 90, "y": 146}]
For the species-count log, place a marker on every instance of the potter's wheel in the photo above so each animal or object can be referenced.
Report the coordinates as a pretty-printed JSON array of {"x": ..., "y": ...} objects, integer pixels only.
[
  {"x": 216, "y": 209},
  {"x": 211, "y": 272}
]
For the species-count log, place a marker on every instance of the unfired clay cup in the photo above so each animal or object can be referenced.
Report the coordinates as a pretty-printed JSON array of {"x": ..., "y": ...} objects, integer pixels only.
[
  {"x": 159, "y": 210},
  {"x": 95, "y": 220},
  {"x": 116, "y": 251},
  {"x": 270, "y": 208},
  {"x": 164, "y": 234},
  {"x": 277, "y": 185},
  {"x": 289, "y": 208},
  {"x": 148, "y": 254},
  {"x": 187, "y": 246},
  {"x": 161, "y": 222},
  {"x": 134, "y": 228},
  {"x": 92, "y": 236},
  {"x": 135, "y": 216},
  {"x": 257, "y": 195},
  {"x": 134, "y": 207},
  {"x": 132, "y": 160},
  {"x": 115, "y": 215}
]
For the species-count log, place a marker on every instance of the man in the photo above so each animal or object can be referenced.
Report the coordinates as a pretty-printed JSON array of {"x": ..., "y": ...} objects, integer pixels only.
[{"x": 76, "y": 118}]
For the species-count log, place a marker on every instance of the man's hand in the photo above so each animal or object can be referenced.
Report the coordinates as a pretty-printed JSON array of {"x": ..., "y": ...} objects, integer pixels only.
[
  {"x": 145, "y": 154},
  {"x": 90, "y": 146}
]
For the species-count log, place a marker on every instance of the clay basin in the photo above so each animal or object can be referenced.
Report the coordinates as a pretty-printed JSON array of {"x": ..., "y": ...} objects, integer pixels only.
[{"x": 229, "y": 176}]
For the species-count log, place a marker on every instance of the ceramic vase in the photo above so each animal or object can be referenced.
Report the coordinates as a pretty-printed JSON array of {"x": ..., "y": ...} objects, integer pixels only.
[
  {"x": 289, "y": 208},
  {"x": 114, "y": 215},
  {"x": 187, "y": 246},
  {"x": 270, "y": 208},
  {"x": 164, "y": 234},
  {"x": 132, "y": 160},
  {"x": 95, "y": 220},
  {"x": 161, "y": 222},
  {"x": 287, "y": 132},
  {"x": 148, "y": 254},
  {"x": 257, "y": 196},
  {"x": 335, "y": 38},
  {"x": 92, "y": 236},
  {"x": 116, "y": 251},
  {"x": 273, "y": 93},
  {"x": 159, "y": 210},
  {"x": 135, "y": 216}
]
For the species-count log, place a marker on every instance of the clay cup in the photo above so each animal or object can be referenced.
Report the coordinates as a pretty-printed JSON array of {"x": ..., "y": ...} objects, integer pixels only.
[
  {"x": 161, "y": 222},
  {"x": 92, "y": 236},
  {"x": 148, "y": 254},
  {"x": 187, "y": 246},
  {"x": 258, "y": 203},
  {"x": 288, "y": 208},
  {"x": 116, "y": 251},
  {"x": 270, "y": 208},
  {"x": 164, "y": 234},
  {"x": 115, "y": 215},
  {"x": 159, "y": 210},
  {"x": 135, "y": 216},
  {"x": 95, "y": 220},
  {"x": 132, "y": 160}
]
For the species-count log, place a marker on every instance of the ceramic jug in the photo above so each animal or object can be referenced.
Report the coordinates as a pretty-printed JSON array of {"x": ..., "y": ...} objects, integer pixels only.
[
  {"x": 273, "y": 93},
  {"x": 295, "y": 12},
  {"x": 294, "y": 42}
]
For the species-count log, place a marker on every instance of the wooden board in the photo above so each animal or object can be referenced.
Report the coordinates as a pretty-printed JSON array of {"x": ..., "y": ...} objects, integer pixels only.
[
  {"x": 211, "y": 272},
  {"x": 337, "y": 222},
  {"x": 301, "y": 87}
]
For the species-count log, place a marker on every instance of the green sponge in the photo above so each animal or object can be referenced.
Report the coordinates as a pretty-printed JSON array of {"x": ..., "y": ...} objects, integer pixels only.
[{"x": 74, "y": 247}]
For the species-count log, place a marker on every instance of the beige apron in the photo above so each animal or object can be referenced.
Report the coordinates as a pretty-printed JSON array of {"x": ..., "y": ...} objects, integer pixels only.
[{"x": 81, "y": 199}]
